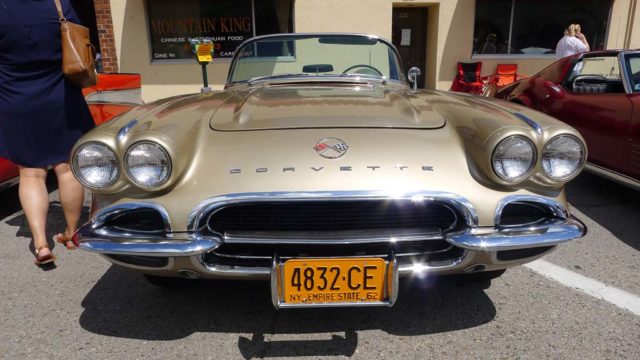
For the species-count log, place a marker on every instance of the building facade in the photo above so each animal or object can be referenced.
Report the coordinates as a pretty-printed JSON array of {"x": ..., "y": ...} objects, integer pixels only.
[{"x": 151, "y": 37}]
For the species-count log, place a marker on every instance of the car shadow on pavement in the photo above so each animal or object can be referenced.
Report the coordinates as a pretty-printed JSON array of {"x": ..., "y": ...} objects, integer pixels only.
[
  {"x": 613, "y": 206},
  {"x": 122, "y": 304}
]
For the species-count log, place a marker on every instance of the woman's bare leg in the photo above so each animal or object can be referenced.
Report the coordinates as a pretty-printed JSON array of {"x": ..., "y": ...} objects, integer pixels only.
[
  {"x": 71, "y": 197},
  {"x": 34, "y": 199}
]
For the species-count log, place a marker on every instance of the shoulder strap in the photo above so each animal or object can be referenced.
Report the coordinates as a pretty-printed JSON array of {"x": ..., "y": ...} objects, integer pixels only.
[{"x": 59, "y": 8}]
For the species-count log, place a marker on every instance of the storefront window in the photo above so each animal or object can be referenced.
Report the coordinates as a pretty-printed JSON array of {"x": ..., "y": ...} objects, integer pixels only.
[
  {"x": 227, "y": 22},
  {"x": 533, "y": 27}
]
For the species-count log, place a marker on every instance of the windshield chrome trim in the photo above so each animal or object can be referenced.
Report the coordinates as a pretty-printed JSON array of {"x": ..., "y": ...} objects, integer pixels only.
[
  {"x": 309, "y": 35},
  {"x": 317, "y": 80},
  {"x": 626, "y": 77},
  {"x": 306, "y": 78}
]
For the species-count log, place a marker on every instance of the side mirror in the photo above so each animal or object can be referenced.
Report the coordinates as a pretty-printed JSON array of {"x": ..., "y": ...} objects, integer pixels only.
[{"x": 413, "y": 75}]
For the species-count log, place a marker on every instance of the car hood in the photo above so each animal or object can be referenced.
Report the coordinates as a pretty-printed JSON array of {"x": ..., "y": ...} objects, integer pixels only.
[{"x": 323, "y": 106}]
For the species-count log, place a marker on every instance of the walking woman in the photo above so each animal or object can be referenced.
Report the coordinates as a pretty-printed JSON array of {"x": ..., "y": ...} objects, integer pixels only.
[{"x": 41, "y": 114}]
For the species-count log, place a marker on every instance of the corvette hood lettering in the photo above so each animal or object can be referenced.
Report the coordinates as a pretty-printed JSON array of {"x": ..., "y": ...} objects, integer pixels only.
[{"x": 343, "y": 168}]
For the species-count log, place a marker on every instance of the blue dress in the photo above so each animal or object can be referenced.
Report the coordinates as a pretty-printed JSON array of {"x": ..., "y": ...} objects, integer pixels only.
[{"x": 41, "y": 114}]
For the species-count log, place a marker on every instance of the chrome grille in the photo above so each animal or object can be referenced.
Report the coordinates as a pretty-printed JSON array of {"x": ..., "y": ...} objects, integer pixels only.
[
  {"x": 331, "y": 215},
  {"x": 252, "y": 233},
  {"x": 425, "y": 252}
]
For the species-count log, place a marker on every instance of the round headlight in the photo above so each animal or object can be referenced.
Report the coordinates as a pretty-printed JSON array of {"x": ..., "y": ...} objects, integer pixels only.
[
  {"x": 562, "y": 157},
  {"x": 147, "y": 164},
  {"x": 95, "y": 165},
  {"x": 513, "y": 158}
]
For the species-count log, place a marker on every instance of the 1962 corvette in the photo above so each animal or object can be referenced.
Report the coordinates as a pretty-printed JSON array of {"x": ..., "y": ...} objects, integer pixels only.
[{"x": 320, "y": 169}]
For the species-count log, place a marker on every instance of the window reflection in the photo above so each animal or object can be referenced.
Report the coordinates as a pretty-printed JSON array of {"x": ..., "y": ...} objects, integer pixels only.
[
  {"x": 533, "y": 27},
  {"x": 227, "y": 23}
]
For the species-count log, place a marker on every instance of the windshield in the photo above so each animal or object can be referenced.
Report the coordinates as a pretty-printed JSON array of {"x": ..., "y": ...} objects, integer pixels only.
[
  {"x": 633, "y": 64},
  {"x": 315, "y": 55}
]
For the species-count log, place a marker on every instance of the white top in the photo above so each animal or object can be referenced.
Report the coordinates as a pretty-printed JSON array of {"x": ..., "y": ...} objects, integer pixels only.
[{"x": 569, "y": 45}]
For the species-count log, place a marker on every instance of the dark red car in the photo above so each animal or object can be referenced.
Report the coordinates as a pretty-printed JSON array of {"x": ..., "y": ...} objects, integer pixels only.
[
  {"x": 598, "y": 93},
  {"x": 114, "y": 94}
]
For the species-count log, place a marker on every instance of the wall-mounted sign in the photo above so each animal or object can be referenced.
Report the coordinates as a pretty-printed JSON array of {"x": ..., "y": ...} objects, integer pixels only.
[{"x": 172, "y": 23}]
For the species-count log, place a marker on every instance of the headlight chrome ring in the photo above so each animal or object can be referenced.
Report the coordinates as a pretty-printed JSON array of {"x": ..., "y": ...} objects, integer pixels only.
[
  {"x": 562, "y": 157},
  {"x": 514, "y": 158},
  {"x": 147, "y": 164},
  {"x": 95, "y": 165}
]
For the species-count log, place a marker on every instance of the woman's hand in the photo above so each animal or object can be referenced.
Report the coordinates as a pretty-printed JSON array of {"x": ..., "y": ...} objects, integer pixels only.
[{"x": 583, "y": 38}]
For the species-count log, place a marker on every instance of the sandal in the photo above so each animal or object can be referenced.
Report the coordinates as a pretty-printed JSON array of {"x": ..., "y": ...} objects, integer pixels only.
[
  {"x": 44, "y": 259},
  {"x": 64, "y": 240}
]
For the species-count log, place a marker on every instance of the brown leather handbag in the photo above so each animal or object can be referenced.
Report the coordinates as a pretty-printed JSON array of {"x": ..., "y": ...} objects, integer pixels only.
[{"x": 78, "y": 55}]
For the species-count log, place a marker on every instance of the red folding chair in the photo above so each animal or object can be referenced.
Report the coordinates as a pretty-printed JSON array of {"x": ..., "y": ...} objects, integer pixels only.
[
  {"x": 469, "y": 80},
  {"x": 506, "y": 74}
]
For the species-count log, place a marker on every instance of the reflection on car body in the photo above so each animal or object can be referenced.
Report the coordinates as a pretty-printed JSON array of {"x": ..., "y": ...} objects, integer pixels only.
[
  {"x": 597, "y": 93},
  {"x": 331, "y": 184}
]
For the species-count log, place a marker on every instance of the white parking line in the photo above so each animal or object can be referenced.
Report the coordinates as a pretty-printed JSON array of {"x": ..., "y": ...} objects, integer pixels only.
[{"x": 615, "y": 296}]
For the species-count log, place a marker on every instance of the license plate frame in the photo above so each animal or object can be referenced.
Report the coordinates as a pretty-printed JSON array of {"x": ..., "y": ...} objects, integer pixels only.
[{"x": 389, "y": 285}]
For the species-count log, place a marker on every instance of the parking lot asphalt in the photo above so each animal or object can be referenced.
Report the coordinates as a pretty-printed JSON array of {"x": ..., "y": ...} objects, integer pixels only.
[{"x": 86, "y": 308}]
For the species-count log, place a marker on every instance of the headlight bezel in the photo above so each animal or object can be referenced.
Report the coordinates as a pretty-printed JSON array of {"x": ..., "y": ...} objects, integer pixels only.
[
  {"x": 78, "y": 173},
  {"x": 133, "y": 179},
  {"x": 532, "y": 165},
  {"x": 578, "y": 168}
]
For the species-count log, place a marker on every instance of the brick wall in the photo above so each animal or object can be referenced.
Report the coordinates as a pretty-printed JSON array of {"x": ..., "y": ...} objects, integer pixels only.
[{"x": 105, "y": 34}]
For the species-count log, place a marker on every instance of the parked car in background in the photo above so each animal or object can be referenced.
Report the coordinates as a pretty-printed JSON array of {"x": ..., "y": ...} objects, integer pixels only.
[
  {"x": 598, "y": 93},
  {"x": 112, "y": 95},
  {"x": 8, "y": 174},
  {"x": 320, "y": 169}
]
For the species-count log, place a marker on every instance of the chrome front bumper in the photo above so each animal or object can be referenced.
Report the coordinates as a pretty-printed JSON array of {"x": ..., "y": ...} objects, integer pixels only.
[
  {"x": 188, "y": 246},
  {"x": 480, "y": 244},
  {"x": 479, "y": 239},
  {"x": 491, "y": 239}
]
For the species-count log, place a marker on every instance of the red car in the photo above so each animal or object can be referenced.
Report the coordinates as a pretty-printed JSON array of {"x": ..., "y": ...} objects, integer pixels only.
[
  {"x": 114, "y": 94},
  {"x": 598, "y": 93}
]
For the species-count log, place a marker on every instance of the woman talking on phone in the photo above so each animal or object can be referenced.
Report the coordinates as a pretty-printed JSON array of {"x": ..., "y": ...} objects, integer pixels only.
[{"x": 573, "y": 42}]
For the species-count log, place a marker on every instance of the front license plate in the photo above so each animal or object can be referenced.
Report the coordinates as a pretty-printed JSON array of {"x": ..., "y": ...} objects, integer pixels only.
[{"x": 326, "y": 281}]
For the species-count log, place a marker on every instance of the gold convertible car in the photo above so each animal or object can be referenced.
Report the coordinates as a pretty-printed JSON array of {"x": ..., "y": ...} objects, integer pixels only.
[{"x": 321, "y": 169}]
